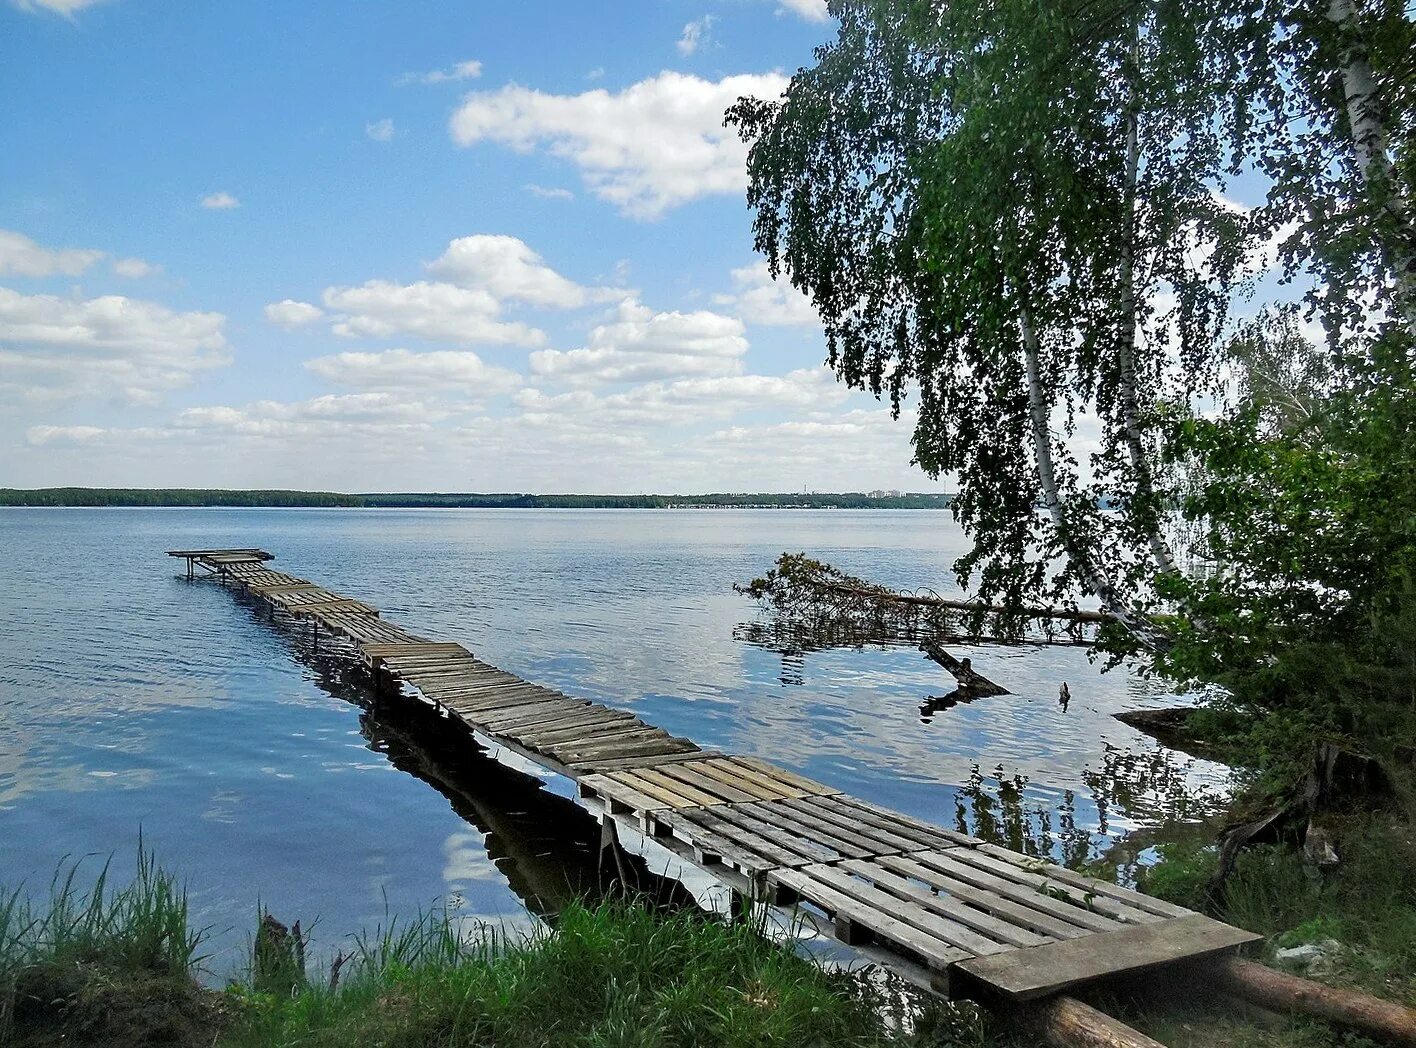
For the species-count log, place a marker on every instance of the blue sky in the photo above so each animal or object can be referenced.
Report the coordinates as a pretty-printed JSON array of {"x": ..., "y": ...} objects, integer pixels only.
[{"x": 420, "y": 245}]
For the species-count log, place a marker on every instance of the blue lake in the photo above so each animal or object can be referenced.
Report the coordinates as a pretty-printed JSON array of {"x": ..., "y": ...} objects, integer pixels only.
[{"x": 131, "y": 699}]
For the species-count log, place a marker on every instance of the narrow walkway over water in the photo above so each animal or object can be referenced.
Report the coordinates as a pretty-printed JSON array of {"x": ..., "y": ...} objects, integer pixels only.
[{"x": 944, "y": 909}]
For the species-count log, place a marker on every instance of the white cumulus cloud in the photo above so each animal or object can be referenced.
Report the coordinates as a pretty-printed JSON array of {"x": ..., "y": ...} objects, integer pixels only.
[
  {"x": 108, "y": 346},
  {"x": 448, "y": 372},
  {"x": 549, "y": 192},
  {"x": 759, "y": 299},
  {"x": 288, "y": 313},
  {"x": 221, "y": 201},
  {"x": 67, "y": 8},
  {"x": 478, "y": 278},
  {"x": 654, "y": 145},
  {"x": 511, "y": 271},
  {"x": 641, "y": 345},
  {"x": 430, "y": 310},
  {"x": 21, "y": 256}
]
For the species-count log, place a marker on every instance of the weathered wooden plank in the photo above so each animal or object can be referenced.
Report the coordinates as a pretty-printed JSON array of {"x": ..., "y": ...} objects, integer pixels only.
[
  {"x": 596, "y": 732},
  {"x": 1068, "y": 909},
  {"x": 378, "y": 651},
  {"x": 752, "y": 850},
  {"x": 619, "y": 797},
  {"x": 492, "y": 720},
  {"x": 626, "y": 763},
  {"x": 729, "y": 774},
  {"x": 471, "y": 692},
  {"x": 801, "y": 782},
  {"x": 665, "y": 796},
  {"x": 801, "y": 850},
  {"x": 936, "y": 954},
  {"x": 581, "y": 713},
  {"x": 1042, "y": 970},
  {"x": 942, "y": 928},
  {"x": 642, "y": 741},
  {"x": 709, "y": 846},
  {"x": 957, "y": 906},
  {"x": 669, "y": 781},
  {"x": 1016, "y": 912},
  {"x": 898, "y": 822},
  {"x": 1044, "y": 883},
  {"x": 343, "y": 604},
  {"x": 475, "y": 681},
  {"x": 584, "y": 713},
  {"x": 1140, "y": 901},
  {"x": 262, "y": 554},
  {"x": 451, "y": 669},
  {"x": 692, "y": 775},
  {"x": 649, "y": 747},
  {"x": 512, "y": 699},
  {"x": 867, "y": 841}
]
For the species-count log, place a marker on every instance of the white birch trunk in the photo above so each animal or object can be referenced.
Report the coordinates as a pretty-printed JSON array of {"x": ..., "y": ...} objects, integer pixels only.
[
  {"x": 1130, "y": 401},
  {"x": 1039, "y": 410},
  {"x": 1369, "y": 142}
]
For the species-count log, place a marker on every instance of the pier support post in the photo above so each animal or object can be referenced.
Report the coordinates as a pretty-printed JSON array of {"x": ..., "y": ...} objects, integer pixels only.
[{"x": 1069, "y": 1023}]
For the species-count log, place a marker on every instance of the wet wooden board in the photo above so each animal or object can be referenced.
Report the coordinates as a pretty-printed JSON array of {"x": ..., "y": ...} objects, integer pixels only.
[{"x": 1049, "y": 969}]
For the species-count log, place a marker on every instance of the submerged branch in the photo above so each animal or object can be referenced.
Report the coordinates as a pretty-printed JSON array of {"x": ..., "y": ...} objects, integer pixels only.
[{"x": 809, "y": 597}]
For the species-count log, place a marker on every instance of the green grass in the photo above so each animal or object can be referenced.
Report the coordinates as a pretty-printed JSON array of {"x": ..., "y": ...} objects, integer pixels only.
[
  {"x": 613, "y": 974},
  {"x": 1367, "y": 903},
  {"x": 99, "y": 964},
  {"x": 110, "y": 966},
  {"x": 99, "y": 961}
]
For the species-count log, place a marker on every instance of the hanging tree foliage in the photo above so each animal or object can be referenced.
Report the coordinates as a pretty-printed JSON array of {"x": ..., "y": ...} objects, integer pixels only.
[{"x": 1009, "y": 212}]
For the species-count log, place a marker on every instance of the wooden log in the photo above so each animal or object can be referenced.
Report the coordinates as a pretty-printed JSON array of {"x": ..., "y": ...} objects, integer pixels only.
[
  {"x": 1281, "y": 992},
  {"x": 1069, "y": 1023},
  {"x": 972, "y": 682}
]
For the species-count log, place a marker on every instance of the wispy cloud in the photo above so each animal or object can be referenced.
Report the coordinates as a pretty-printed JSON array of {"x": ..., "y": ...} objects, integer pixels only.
[
  {"x": 468, "y": 70},
  {"x": 549, "y": 192},
  {"x": 695, "y": 35},
  {"x": 220, "y": 201},
  {"x": 811, "y": 10},
  {"x": 66, "y": 8},
  {"x": 380, "y": 130}
]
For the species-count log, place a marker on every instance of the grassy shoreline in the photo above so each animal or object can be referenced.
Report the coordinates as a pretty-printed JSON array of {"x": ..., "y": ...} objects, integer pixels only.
[{"x": 117, "y": 966}]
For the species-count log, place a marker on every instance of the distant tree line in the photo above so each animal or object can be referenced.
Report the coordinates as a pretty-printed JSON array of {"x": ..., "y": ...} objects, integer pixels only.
[
  {"x": 454, "y": 500},
  {"x": 170, "y": 497}
]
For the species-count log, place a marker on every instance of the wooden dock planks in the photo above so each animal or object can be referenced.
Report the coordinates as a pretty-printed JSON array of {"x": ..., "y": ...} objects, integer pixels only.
[{"x": 935, "y": 896}]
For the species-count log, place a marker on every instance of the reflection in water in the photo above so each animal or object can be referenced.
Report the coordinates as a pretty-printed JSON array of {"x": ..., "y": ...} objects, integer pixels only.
[
  {"x": 130, "y": 698},
  {"x": 1151, "y": 786},
  {"x": 547, "y": 847}
]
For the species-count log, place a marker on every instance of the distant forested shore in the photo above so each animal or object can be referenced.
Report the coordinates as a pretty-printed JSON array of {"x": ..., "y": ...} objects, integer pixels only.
[{"x": 415, "y": 500}]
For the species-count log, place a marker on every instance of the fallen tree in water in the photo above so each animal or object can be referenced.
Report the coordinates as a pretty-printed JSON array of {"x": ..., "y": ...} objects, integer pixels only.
[{"x": 812, "y": 594}]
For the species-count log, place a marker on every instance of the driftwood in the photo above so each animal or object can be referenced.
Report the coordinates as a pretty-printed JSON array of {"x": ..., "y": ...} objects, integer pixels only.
[
  {"x": 1280, "y": 992},
  {"x": 1070, "y": 1023},
  {"x": 972, "y": 683}
]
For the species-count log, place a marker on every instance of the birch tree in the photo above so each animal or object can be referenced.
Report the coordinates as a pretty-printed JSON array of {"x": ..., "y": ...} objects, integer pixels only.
[{"x": 1007, "y": 211}]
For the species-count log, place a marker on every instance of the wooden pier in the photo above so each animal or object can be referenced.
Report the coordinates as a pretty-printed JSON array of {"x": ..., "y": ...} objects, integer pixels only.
[{"x": 944, "y": 909}]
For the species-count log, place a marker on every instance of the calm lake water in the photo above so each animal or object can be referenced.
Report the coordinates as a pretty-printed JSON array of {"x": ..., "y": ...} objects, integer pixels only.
[{"x": 133, "y": 700}]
